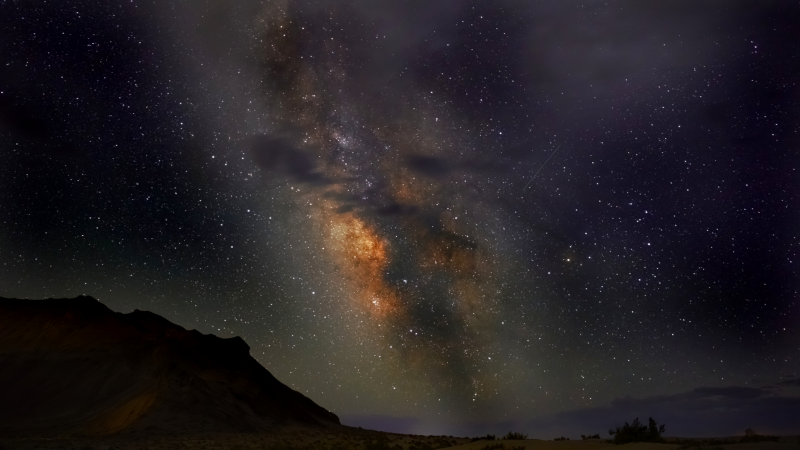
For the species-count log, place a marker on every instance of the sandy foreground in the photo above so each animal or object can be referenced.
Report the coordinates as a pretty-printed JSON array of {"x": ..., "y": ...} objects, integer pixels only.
[
  {"x": 355, "y": 439},
  {"x": 535, "y": 444}
]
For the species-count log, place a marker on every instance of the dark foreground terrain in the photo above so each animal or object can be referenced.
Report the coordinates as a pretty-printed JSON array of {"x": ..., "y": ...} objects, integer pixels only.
[
  {"x": 76, "y": 375},
  {"x": 73, "y": 367},
  {"x": 347, "y": 438}
]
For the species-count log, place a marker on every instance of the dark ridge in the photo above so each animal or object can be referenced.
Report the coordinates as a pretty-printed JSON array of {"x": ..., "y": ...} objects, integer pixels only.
[{"x": 74, "y": 367}]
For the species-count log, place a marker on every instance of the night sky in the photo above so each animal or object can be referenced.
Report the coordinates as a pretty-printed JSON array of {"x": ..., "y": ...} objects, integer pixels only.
[{"x": 444, "y": 216}]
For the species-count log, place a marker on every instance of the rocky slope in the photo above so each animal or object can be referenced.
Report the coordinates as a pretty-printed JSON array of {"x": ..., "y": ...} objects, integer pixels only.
[{"x": 74, "y": 367}]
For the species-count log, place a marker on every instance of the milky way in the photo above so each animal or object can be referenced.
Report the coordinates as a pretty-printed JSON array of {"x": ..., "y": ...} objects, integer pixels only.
[
  {"x": 406, "y": 252},
  {"x": 449, "y": 217}
]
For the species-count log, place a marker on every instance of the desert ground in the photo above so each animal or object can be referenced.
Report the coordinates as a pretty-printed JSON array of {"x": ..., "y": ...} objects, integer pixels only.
[{"x": 348, "y": 438}]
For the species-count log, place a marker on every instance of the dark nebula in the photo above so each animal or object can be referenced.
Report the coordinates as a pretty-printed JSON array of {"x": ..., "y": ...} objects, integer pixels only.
[{"x": 447, "y": 216}]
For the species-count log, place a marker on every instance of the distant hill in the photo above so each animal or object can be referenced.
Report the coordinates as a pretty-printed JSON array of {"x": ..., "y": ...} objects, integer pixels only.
[{"x": 74, "y": 367}]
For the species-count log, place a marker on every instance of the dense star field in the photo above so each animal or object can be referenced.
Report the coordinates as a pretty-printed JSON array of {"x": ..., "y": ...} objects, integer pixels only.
[{"x": 428, "y": 216}]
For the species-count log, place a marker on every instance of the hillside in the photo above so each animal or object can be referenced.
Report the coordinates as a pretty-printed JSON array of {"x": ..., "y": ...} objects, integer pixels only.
[{"x": 74, "y": 367}]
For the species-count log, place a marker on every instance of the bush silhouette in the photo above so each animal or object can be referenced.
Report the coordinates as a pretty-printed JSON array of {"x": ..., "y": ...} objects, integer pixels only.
[
  {"x": 752, "y": 436},
  {"x": 638, "y": 432},
  {"x": 593, "y": 436},
  {"x": 488, "y": 437},
  {"x": 382, "y": 443},
  {"x": 494, "y": 447},
  {"x": 515, "y": 436}
]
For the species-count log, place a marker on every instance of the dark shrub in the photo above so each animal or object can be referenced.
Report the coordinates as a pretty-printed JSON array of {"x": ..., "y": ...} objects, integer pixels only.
[
  {"x": 494, "y": 447},
  {"x": 638, "y": 432},
  {"x": 488, "y": 437},
  {"x": 752, "y": 436},
  {"x": 515, "y": 436},
  {"x": 382, "y": 443}
]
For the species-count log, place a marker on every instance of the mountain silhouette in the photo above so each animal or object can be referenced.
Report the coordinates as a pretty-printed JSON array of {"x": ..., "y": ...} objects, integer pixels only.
[{"x": 74, "y": 367}]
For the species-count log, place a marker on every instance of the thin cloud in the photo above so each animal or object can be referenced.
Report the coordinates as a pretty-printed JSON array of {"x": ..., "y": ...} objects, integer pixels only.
[{"x": 278, "y": 155}]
